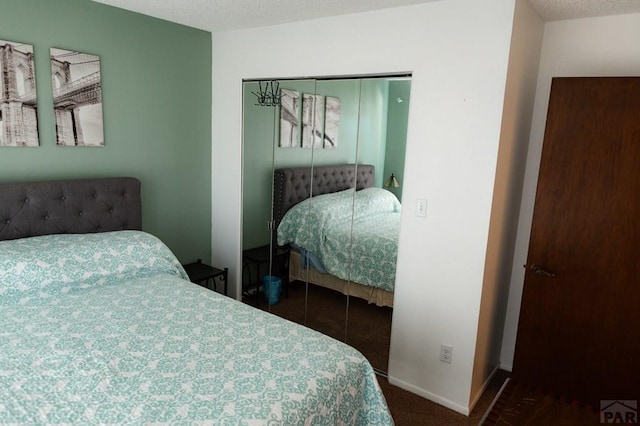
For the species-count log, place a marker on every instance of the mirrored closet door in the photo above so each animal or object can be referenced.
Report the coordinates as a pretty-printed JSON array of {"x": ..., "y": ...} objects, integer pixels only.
[
  {"x": 322, "y": 180},
  {"x": 384, "y": 107}
]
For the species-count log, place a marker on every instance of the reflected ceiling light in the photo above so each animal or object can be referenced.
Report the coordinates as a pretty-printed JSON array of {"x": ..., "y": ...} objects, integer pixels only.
[{"x": 268, "y": 93}]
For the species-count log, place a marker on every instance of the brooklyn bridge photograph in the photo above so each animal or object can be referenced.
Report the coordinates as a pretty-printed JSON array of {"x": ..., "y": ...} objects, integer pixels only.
[
  {"x": 77, "y": 98},
  {"x": 18, "y": 100}
]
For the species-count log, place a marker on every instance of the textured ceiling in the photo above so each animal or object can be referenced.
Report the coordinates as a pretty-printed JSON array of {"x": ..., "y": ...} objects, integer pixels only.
[
  {"x": 216, "y": 15},
  {"x": 553, "y": 10}
]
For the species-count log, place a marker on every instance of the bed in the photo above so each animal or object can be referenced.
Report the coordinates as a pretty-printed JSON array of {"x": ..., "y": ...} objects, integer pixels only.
[
  {"x": 100, "y": 325},
  {"x": 354, "y": 254}
]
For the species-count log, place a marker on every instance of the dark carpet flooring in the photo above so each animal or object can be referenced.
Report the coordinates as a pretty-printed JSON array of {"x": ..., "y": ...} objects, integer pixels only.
[{"x": 522, "y": 405}]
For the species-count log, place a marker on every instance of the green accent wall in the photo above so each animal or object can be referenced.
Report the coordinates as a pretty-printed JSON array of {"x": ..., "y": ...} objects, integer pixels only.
[{"x": 156, "y": 88}]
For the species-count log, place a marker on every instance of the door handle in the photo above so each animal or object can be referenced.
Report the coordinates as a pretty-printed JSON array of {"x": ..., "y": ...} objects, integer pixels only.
[{"x": 539, "y": 270}]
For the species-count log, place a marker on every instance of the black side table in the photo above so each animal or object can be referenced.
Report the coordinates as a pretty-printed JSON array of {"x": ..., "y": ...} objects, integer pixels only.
[
  {"x": 253, "y": 261},
  {"x": 200, "y": 273}
]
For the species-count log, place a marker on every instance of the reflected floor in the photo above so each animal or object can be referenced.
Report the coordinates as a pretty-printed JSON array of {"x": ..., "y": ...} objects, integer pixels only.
[{"x": 369, "y": 326}]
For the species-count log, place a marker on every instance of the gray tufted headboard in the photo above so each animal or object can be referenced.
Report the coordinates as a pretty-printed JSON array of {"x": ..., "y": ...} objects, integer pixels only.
[
  {"x": 69, "y": 207},
  {"x": 294, "y": 184}
]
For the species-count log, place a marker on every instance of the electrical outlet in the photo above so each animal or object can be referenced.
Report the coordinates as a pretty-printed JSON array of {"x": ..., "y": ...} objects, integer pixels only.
[
  {"x": 421, "y": 207},
  {"x": 446, "y": 353}
]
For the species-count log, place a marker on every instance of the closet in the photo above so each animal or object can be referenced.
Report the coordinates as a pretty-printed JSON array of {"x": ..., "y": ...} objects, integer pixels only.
[{"x": 325, "y": 136}]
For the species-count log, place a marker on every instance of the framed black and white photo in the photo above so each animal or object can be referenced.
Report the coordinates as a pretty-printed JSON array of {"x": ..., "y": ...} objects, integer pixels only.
[
  {"x": 312, "y": 120},
  {"x": 77, "y": 98},
  {"x": 289, "y": 113},
  {"x": 18, "y": 98},
  {"x": 331, "y": 122}
]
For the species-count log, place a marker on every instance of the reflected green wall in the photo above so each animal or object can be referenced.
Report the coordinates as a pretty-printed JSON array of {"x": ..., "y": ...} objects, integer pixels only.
[
  {"x": 156, "y": 82},
  {"x": 397, "y": 121}
]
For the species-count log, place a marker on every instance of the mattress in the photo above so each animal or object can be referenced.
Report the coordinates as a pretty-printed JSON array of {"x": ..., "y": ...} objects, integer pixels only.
[{"x": 105, "y": 328}]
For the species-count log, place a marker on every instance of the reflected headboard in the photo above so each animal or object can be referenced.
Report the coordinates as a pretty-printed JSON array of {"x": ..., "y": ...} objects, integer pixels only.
[
  {"x": 69, "y": 207},
  {"x": 294, "y": 184}
]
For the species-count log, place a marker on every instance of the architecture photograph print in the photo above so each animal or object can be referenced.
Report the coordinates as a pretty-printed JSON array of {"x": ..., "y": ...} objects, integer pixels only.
[
  {"x": 18, "y": 100},
  {"x": 77, "y": 98}
]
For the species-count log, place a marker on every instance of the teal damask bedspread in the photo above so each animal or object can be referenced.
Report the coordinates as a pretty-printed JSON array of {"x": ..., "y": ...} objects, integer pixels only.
[
  {"x": 103, "y": 329},
  {"x": 362, "y": 247}
]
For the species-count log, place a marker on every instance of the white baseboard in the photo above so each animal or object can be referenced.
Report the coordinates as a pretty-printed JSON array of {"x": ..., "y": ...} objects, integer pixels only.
[
  {"x": 430, "y": 396},
  {"x": 444, "y": 401}
]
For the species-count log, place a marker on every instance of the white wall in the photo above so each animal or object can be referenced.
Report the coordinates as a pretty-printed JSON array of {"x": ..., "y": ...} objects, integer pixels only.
[
  {"x": 524, "y": 58},
  {"x": 608, "y": 46},
  {"x": 458, "y": 52}
]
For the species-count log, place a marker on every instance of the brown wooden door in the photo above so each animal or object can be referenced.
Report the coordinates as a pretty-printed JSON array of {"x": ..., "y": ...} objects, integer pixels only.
[{"x": 579, "y": 331}]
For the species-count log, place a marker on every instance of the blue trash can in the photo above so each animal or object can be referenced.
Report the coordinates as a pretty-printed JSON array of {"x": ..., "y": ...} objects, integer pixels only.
[{"x": 272, "y": 287}]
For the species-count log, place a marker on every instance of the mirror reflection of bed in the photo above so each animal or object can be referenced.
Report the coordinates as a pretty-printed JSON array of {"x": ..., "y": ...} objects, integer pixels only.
[
  {"x": 342, "y": 233},
  {"x": 335, "y": 297}
]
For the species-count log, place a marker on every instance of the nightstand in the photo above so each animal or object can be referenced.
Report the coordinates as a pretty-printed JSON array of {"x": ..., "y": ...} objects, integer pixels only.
[
  {"x": 201, "y": 273},
  {"x": 255, "y": 264}
]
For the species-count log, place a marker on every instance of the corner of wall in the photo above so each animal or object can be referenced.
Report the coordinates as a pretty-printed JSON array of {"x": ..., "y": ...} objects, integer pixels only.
[{"x": 520, "y": 89}]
